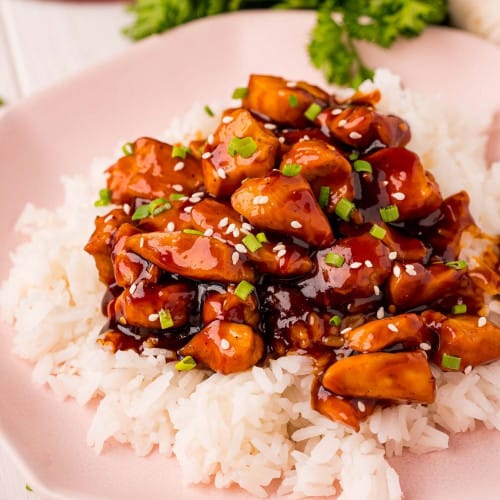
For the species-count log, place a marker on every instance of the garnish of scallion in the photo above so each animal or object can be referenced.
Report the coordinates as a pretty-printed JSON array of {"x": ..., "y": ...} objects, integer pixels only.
[
  {"x": 153, "y": 209},
  {"x": 185, "y": 364},
  {"x": 335, "y": 320},
  {"x": 293, "y": 101},
  {"x": 291, "y": 169},
  {"x": 208, "y": 111},
  {"x": 261, "y": 237},
  {"x": 244, "y": 289},
  {"x": 251, "y": 242},
  {"x": 362, "y": 166},
  {"x": 179, "y": 152},
  {"x": 390, "y": 213},
  {"x": 128, "y": 149},
  {"x": 459, "y": 309},
  {"x": 324, "y": 196},
  {"x": 378, "y": 232},
  {"x": 344, "y": 209},
  {"x": 313, "y": 111},
  {"x": 451, "y": 362},
  {"x": 244, "y": 146},
  {"x": 334, "y": 259},
  {"x": 104, "y": 198},
  {"x": 196, "y": 232},
  {"x": 166, "y": 320},
  {"x": 457, "y": 264},
  {"x": 240, "y": 93}
]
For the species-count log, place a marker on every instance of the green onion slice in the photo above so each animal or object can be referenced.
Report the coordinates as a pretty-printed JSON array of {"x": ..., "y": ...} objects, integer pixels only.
[
  {"x": 128, "y": 149},
  {"x": 378, "y": 232},
  {"x": 185, "y": 364},
  {"x": 459, "y": 309},
  {"x": 313, "y": 111},
  {"x": 193, "y": 231},
  {"x": 293, "y": 101},
  {"x": 179, "y": 152},
  {"x": 177, "y": 196},
  {"x": 335, "y": 320},
  {"x": 28, "y": 487},
  {"x": 244, "y": 146},
  {"x": 244, "y": 289},
  {"x": 261, "y": 237},
  {"x": 166, "y": 320},
  {"x": 390, "y": 213},
  {"x": 153, "y": 208},
  {"x": 362, "y": 166},
  {"x": 324, "y": 196},
  {"x": 104, "y": 198},
  {"x": 251, "y": 242},
  {"x": 457, "y": 264},
  {"x": 344, "y": 209},
  {"x": 208, "y": 111},
  {"x": 240, "y": 93},
  {"x": 334, "y": 259},
  {"x": 291, "y": 169},
  {"x": 451, "y": 362},
  {"x": 141, "y": 212},
  {"x": 354, "y": 156}
]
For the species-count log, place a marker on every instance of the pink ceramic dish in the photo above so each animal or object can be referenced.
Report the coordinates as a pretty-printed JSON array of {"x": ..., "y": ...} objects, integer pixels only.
[{"x": 59, "y": 131}]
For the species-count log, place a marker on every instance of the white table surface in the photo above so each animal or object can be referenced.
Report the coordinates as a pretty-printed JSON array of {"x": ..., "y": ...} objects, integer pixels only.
[{"x": 42, "y": 42}]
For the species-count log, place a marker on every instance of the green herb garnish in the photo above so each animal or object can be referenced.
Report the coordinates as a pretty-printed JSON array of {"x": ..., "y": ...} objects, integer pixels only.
[
  {"x": 378, "y": 232},
  {"x": 208, "y": 111},
  {"x": 244, "y": 289},
  {"x": 335, "y": 320},
  {"x": 196, "y": 232},
  {"x": 390, "y": 213},
  {"x": 244, "y": 146},
  {"x": 344, "y": 209},
  {"x": 179, "y": 152},
  {"x": 251, "y": 242},
  {"x": 334, "y": 259},
  {"x": 104, "y": 198},
  {"x": 27, "y": 487},
  {"x": 362, "y": 166},
  {"x": 459, "y": 309},
  {"x": 240, "y": 93},
  {"x": 457, "y": 264},
  {"x": 261, "y": 237},
  {"x": 324, "y": 196},
  {"x": 128, "y": 149},
  {"x": 166, "y": 320},
  {"x": 451, "y": 362},
  {"x": 293, "y": 101},
  {"x": 291, "y": 169},
  {"x": 152, "y": 209},
  {"x": 312, "y": 111},
  {"x": 185, "y": 364}
]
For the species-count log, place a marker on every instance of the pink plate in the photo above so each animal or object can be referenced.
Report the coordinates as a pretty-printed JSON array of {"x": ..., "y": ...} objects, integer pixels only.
[{"x": 60, "y": 130}]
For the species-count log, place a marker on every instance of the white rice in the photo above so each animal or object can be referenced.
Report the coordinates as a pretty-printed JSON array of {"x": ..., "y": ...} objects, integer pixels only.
[{"x": 253, "y": 428}]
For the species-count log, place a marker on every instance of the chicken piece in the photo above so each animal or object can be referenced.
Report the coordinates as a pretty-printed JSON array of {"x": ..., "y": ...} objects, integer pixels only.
[
  {"x": 224, "y": 169},
  {"x": 412, "y": 285},
  {"x": 365, "y": 265},
  {"x": 322, "y": 166},
  {"x": 142, "y": 306},
  {"x": 225, "y": 347},
  {"x": 190, "y": 255},
  {"x": 283, "y": 204},
  {"x": 102, "y": 240},
  {"x": 339, "y": 409},
  {"x": 229, "y": 307},
  {"x": 406, "y": 329},
  {"x": 398, "y": 179},
  {"x": 360, "y": 126},
  {"x": 401, "y": 376},
  {"x": 462, "y": 337},
  {"x": 129, "y": 267},
  {"x": 281, "y": 101},
  {"x": 174, "y": 219},
  {"x": 360, "y": 98},
  {"x": 151, "y": 171},
  {"x": 407, "y": 249}
]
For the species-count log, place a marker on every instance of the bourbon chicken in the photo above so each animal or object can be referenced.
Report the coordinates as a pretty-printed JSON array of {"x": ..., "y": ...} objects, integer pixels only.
[{"x": 301, "y": 225}]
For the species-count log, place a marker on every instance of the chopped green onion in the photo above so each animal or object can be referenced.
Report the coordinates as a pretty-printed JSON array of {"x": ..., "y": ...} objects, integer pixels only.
[
  {"x": 177, "y": 196},
  {"x": 208, "y": 111},
  {"x": 390, "y": 213},
  {"x": 344, "y": 208},
  {"x": 185, "y": 364},
  {"x": 251, "y": 242},
  {"x": 104, "y": 198},
  {"x": 354, "y": 156},
  {"x": 156, "y": 207},
  {"x": 128, "y": 149},
  {"x": 244, "y": 289},
  {"x": 378, "y": 232},
  {"x": 457, "y": 264},
  {"x": 141, "y": 212},
  {"x": 362, "y": 166},
  {"x": 28, "y": 487},
  {"x": 240, "y": 93},
  {"x": 335, "y": 320},
  {"x": 313, "y": 111},
  {"x": 179, "y": 152},
  {"x": 166, "y": 320},
  {"x": 334, "y": 259},
  {"x": 291, "y": 169},
  {"x": 324, "y": 196},
  {"x": 244, "y": 146},
  {"x": 193, "y": 231},
  {"x": 293, "y": 101},
  {"x": 459, "y": 309},
  {"x": 451, "y": 362},
  {"x": 261, "y": 237}
]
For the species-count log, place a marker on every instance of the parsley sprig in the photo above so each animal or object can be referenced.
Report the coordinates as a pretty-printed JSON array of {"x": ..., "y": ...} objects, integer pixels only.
[{"x": 339, "y": 24}]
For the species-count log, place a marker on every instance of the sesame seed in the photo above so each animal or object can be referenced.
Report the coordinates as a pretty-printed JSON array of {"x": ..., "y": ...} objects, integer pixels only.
[
  {"x": 385, "y": 183},
  {"x": 178, "y": 166},
  {"x": 281, "y": 253},
  {"x": 410, "y": 270},
  {"x": 235, "y": 257},
  {"x": 195, "y": 199},
  {"x": 393, "y": 255},
  {"x": 223, "y": 222},
  {"x": 227, "y": 119},
  {"x": 392, "y": 328},
  {"x": 306, "y": 138},
  {"x": 224, "y": 344},
  {"x": 206, "y": 155},
  {"x": 291, "y": 84},
  {"x": 108, "y": 218},
  {"x": 481, "y": 321},
  {"x": 342, "y": 123},
  {"x": 208, "y": 232},
  {"x": 221, "y": 173},
  {"x": 278, "y": 247},
  {"x": 270, "y": 126},
  {"x": 336, "y": 111},
  {"x": 361, "y": 406},
  {"x": 345, "y": 330},
  {"x": 246, "y": 226},
  {"x": 126, "y": 208},
  {"x": 153, "y": 317},
  {"x": 170, "y": 226},
  {"x": 241, "y": 248},
  {"x": 376, "y": 290},
  {"x": 281, "y": 139},
  {"x": 396, "y": 270},
  {"x": 296, "y": 224},
  {"x": 230, "y": 228},
  {"x": 355, "y": 265},
  {"x": 368, "y": 263},
  {"x": 355, "y": 135},
  {"x": 260, "y": 200},
  {"x": 380, "y": 313},
  {"x": 425, "y": 346},
  {"x": 188, "y": 209},
  {"x": 236, "y": 232},
  {"x": 177, "y": 187},
  {"x": 141, "y": 242},
  {"x": 398, "y": 196},
  {"x": 468, "y": 369},
  {"x": 133, "y": 288},
  {"x": 210, "y": 139}
]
